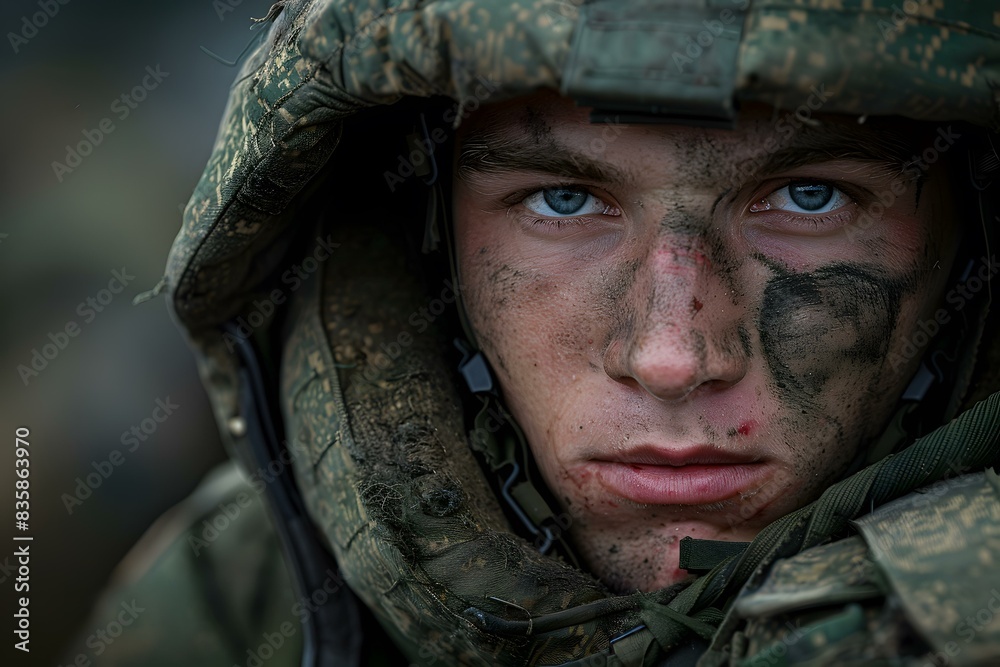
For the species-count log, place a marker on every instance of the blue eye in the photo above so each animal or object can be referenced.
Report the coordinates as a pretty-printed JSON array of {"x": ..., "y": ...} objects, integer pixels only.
[
  {"x": 804, "y": 197},
  {"x": 564, "y": 201},
  {"x": 810, "y": 196}
]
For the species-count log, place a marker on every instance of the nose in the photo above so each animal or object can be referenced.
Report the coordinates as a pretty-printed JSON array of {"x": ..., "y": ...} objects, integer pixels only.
[{"x": 680, "y": 332}]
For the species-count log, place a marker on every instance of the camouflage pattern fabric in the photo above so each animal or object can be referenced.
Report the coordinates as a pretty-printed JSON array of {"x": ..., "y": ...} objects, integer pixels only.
[
  {"x": 406, "y": 510},
  {"x": 920, "y": 585},
  {"x": 322, "y": 62}
]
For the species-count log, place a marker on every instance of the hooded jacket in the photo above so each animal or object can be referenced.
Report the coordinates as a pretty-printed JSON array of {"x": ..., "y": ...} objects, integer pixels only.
[{"x": 311, "y": 276}]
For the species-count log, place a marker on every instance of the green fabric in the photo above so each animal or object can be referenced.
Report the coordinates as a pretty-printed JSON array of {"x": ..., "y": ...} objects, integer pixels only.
[
  {"x": 211, "y": 585},
  {"x": 917, "y": 586},
  {"x": 970, "y": 442},
  {"x": 700, "y": 556},
  {"x": 940, "y": 550}
]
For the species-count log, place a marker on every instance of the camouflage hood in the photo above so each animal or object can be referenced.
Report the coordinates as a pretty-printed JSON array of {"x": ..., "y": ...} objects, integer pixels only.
[{"x": 380, "y": 451}]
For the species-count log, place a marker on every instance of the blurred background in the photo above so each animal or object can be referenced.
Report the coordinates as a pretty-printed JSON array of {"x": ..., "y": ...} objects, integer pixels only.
[{"x": 111, "y": 205}]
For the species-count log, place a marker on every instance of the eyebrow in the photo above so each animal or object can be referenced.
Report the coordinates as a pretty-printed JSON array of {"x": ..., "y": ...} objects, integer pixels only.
[
  {"x": 833, "y": 141},
  {"x": 488, "y": 151}
]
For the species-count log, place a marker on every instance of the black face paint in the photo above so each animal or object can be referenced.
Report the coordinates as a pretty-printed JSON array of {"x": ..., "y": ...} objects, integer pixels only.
[{"x": 812, "y": 323}]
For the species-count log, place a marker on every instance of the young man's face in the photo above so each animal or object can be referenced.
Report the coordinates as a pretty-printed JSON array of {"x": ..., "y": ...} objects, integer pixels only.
[{"x": 697, "y": 329}]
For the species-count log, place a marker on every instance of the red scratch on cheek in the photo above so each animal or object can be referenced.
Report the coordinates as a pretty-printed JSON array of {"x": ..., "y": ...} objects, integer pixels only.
[
  {"x": 696, "y": 305},
  {"x": 747, "y": 427}
]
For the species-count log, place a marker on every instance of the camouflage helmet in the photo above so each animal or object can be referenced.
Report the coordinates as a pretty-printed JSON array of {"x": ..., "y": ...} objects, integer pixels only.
[{"x": 382, "y": 455}]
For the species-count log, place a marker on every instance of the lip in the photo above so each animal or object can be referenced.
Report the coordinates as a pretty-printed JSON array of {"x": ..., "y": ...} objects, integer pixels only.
[{"x": 700, "y": 475}]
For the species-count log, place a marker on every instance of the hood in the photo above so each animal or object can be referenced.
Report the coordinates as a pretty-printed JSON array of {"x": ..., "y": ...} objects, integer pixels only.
[{"x": 291, "y": 234}]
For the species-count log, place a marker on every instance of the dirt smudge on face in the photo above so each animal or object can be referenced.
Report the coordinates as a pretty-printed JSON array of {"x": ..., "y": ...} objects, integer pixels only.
[
  {"x": 812, "y": 323},
  {"x": 501, "y": 289},
  {"x": 744, "y": 336},
  {"x": 614, "y": 289}
]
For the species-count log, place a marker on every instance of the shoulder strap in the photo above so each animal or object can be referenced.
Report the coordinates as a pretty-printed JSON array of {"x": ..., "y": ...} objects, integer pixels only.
[{"x": 939, "y": 549}]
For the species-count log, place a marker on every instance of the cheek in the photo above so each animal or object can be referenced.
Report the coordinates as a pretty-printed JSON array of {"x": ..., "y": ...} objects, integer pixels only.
[
  {"x": 528, "y": 319},
  {"x": 815, "y": 326}
]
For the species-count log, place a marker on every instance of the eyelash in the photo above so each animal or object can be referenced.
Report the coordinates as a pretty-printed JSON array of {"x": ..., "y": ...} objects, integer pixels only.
[
  {"x": 798, "y": 222},
  {"x": 517, "y": 198},
  {"x": 818, "y": 222}
]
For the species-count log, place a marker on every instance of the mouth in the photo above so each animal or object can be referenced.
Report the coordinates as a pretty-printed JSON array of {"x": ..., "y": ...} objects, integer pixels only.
[{"x": 701, "y": 475}]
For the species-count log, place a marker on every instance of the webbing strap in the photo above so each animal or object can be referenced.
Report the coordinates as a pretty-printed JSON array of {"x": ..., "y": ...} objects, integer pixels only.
[
  {"x": 655, "y": 61},
  {"x": 969, "y": 442}
]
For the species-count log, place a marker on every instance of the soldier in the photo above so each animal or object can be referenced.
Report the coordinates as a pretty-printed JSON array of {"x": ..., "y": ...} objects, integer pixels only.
[{"x": 620, "y": 333}]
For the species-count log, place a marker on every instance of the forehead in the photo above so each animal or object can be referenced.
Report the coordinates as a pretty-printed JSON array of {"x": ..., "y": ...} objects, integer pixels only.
[{"x": 529, "y": 132}]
